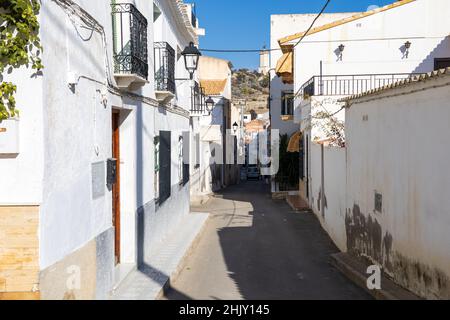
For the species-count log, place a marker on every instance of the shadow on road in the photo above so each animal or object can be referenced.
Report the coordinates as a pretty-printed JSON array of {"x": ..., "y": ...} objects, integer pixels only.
[{"x": 270, "y": 251}]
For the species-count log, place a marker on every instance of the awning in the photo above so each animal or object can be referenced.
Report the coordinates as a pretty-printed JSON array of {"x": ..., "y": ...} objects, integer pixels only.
[
  {"x": 294, "y": 142},
  {"x": 284, "y": 67}
]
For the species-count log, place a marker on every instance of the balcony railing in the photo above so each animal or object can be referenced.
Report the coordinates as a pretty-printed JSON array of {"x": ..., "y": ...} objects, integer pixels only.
[
  {"x": 346, "y": 85},
  {"x": 164, "y": 67},
  {"x": 130, "y": 40},
  {"x": 198, "y": 105}
]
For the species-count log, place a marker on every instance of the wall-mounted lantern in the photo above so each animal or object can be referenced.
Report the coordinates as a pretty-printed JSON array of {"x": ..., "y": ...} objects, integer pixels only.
[
  {"x": 209, "y": 104},
  {"x": 340, "y": 52},
  {"x": 407, "y": 47},
  {"x": 191, "y": 57}
]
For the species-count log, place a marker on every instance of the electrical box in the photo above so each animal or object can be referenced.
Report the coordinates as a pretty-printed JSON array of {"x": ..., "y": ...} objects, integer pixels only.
[
  {"x": 9, "y": 136},
  {"x": 111, "y": 171}
]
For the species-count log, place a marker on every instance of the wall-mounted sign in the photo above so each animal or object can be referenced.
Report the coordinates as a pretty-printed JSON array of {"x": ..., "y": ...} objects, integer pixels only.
[{"x": 9, "y": 136}]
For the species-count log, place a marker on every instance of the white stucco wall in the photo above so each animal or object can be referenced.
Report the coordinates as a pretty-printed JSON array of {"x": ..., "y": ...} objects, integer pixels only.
[
  {"x": 400, "y": 152},
  {"x": 332, "y": 218},
  {"x": 373, "y": 45},
  {"x": 65, "y": 130}
]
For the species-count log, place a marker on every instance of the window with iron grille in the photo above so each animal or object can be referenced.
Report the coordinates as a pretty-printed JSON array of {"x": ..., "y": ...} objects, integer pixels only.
[
  {"x": 164, "y": 166},
  {"x": 198, "y": 99},
  {"x": 130, "y": 40},
  {"x": 164, "y": 67},
  {"x": 287, "y": 103}
]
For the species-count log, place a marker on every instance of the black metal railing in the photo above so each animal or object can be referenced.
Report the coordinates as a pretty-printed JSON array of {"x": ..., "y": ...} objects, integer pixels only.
[
  {"x": 164, "y": 67},
  {"x": 345, "y": 85},
  {"x": 130, "y": 40},
  {"x": 198, "y": 105}
]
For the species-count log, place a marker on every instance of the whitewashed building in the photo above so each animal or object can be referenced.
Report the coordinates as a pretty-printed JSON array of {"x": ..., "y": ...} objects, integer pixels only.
[
  {"x": 282, "y": 68},
  {"x": 358, "y": 53},
  {"x": 94, "y": 176},
  {"x": 217, "y": 115},
  {"x": 281, "y": 73},
  {"x": 373, "y": 191},
  {"x": 398, "y": 181}
]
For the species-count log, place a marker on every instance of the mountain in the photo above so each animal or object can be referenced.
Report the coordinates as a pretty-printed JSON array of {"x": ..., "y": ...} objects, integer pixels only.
[{"x": 253, "y": 87}]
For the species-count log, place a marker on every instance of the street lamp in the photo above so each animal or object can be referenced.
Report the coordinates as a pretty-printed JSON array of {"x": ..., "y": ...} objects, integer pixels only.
[
  {"x": 209, "y": 104},
  {"x": 235, "y": 127},
  {"x": 191, "y": 57}
]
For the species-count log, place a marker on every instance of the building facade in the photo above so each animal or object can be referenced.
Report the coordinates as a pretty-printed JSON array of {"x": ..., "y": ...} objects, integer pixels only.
[
  {"x": 212, "y": 170},
  {"x": 97, "y": 180},
  {"x": 368, "y": 50},
  {"x": 363, "y": 102}
]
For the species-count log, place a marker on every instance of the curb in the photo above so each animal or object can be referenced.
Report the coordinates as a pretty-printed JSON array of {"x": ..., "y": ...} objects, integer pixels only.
[
  {"x": 183, "y": 261},
  {"x": 355, "y": 271}
]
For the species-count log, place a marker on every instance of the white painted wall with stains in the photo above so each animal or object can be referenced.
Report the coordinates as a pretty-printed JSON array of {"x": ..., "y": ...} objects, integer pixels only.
[{"x": 397, "y": 146}]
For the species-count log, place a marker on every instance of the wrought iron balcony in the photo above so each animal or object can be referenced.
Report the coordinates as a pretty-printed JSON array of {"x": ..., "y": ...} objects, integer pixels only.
[
  {"x": 164, "y": 67},
  {"x": 346, "y": 85},
  {"x": 198, "y": 98},
  {"x": 130, "y": 44}
]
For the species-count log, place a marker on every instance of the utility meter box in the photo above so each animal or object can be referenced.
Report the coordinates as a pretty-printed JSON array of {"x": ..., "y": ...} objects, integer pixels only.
[{"x": 9, "y": 136}]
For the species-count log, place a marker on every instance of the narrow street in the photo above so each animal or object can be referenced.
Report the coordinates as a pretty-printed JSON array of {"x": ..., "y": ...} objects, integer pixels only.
[{"x": 256, "y": 248}]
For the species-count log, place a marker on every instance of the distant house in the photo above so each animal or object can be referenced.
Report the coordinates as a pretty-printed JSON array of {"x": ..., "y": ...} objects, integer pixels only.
[{"x": 211, "y": 172}]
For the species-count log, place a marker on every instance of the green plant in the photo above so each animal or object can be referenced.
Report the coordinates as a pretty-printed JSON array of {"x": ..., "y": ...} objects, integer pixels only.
[
  {"x": 19, "y": 46},
  {"x": 288, "y": 172}
]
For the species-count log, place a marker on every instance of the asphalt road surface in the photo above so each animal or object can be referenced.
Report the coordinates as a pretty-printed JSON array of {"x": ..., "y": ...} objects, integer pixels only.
[{"x": 257, "y": 248}]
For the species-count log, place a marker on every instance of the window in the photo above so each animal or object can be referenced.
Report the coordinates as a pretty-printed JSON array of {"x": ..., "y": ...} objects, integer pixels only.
[
  {"x": 287, "y": 103},
  {"x": 183, "y": 158},
  {"x": 180, "y": 159},
  {"x": 156, "y": 155},
  {"x": 441, "y": 63},
  {"x": 164, "y": 166}
]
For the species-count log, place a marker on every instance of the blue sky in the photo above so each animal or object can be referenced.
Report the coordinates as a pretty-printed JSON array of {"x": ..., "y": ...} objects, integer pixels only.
[{"x": 245, "y": 24}]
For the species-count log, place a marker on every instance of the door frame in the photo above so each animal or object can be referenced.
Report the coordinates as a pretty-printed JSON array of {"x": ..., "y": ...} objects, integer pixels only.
[{"x": 115, "y": 117}]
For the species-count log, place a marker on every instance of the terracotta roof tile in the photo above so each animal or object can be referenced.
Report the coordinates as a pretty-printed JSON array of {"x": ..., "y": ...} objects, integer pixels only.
[{"x": 327, "y": 26}]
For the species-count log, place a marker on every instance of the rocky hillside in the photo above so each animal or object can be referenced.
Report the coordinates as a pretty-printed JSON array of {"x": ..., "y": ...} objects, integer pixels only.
[{"x": 253, "y": 87}]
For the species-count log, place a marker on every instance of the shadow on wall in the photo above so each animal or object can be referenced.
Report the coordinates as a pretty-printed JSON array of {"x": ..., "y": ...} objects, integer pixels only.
[
  {"x": 367, "y": 241},
  {"x": 442, "y": 50}
]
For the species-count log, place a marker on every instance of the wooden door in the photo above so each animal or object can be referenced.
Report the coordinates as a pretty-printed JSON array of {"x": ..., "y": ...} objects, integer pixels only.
[{"x": 116, "y": 186}]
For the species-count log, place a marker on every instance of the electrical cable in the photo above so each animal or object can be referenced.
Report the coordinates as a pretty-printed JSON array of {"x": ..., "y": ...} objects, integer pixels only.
[
  {"x": 314, "y": 21},
  {"x": 276, "y": 49}
]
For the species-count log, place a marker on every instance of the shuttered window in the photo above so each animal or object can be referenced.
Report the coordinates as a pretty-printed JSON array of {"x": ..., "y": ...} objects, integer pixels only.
[
  {"x": 164, "y": 166},
  {"x": 186, "y": 157},
  {"x": 156, "y": 147}
]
